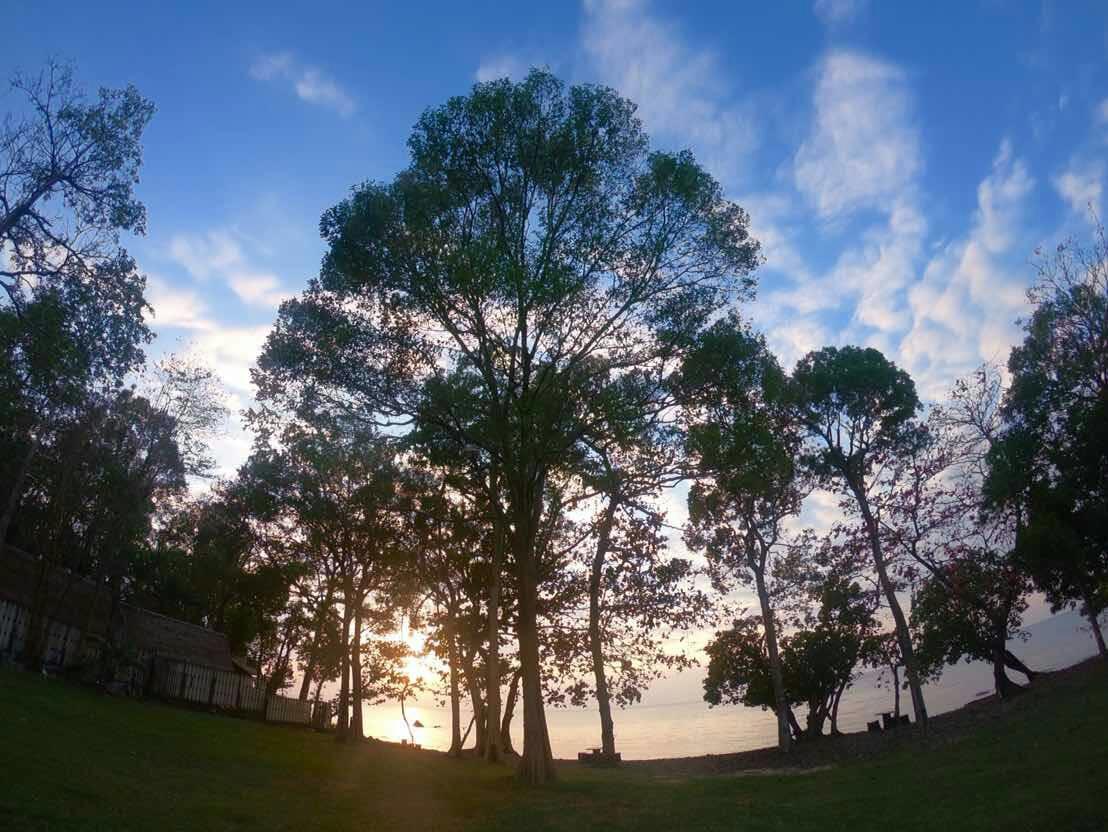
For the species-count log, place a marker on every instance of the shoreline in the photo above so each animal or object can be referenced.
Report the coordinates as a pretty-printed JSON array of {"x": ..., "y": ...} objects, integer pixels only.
[{"x": 860, "y": 745}]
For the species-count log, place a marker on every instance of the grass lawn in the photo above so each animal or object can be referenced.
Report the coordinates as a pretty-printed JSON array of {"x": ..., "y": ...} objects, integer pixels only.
[{"x": 71, "y": 759}]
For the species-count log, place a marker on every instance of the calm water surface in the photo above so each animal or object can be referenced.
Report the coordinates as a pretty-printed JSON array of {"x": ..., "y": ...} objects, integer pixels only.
[{"x": 673, "y": 721}]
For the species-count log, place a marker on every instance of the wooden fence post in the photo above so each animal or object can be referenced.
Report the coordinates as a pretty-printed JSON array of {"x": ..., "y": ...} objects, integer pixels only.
[
  {"x": 211, "y": 690},
  {"x": 181, "y": 694},
  {"x": 238, "y": 695}
]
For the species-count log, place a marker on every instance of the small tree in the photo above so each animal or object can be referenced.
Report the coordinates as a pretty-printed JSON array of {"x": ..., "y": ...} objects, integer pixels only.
[
  {"x": 817, "y": 661},
  {"x": 971, "y": 612}
]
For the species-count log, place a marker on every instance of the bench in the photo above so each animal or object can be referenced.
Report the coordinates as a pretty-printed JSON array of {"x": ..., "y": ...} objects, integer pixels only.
[{"x": 597, "y": 757}]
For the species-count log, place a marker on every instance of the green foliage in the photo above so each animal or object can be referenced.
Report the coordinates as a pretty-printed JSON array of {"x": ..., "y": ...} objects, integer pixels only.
[
  {"x": 857, "y": 405},
  {"x": 817, "y": 661},
  {"x": 1050, "y": 463},
  {"x": 968, "y": 612}
]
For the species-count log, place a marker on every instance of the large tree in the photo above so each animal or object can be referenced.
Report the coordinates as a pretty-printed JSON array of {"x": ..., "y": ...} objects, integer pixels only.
[
  {"x": 744, "y": 442},
  {"x": 933, "y": 513},
  {"x": 1050, "y": 466},
  {"x": 858, "y": 411},
  {"x": 72, "y": 296},
  {"x": 538, "y": 246}
]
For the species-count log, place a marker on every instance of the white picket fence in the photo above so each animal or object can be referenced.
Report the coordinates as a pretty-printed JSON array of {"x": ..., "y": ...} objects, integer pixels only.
[
  {"x": 159, "y": 676},
  {"x": 13, "y": 628},
  {"x": 226, "y": 690}
]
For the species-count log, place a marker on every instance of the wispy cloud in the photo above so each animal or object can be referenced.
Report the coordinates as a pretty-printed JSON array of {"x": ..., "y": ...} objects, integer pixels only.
[
  {"x": 965, "y": 306},
  {"x": 219, "y": 254},
  {"x": 864, "y": 147},
  {"x": 839, "y": 12},
  {"x": 1081, "y": 185},
  {"x": 495, "y": 67},
  {"x": 174, "y": 306},
  {"x": 309, "y": 83},
  {"x": 677, "y": 85}
]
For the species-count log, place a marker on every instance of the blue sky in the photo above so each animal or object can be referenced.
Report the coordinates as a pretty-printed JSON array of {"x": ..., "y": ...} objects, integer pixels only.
[{"x": 900, "y": 161}]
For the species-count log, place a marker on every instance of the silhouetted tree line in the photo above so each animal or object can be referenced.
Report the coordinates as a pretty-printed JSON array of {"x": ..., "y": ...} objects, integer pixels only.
[{"x": 469, "y": 422}]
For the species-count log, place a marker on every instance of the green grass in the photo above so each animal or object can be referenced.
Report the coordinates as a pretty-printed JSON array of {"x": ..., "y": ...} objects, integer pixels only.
[{"x": 70, "y": 759}]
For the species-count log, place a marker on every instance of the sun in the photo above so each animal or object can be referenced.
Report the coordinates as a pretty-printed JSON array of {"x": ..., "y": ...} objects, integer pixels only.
[{"x": 419, "y": 665}]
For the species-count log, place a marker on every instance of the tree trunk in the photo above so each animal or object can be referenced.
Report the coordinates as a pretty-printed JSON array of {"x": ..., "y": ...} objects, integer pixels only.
[
  {"x": 404, "y": 716},
  {"x": 509, "y": 712},
  {"x": 343, "y": 727},
  {"x": 797, "y": 733},
  {"x": 769, "y": 627},
  {"x": 896, "y": 692},
  {"x": 15, "y": 492},
  {"x": 356, "y": 674},
  {"x": 492, "y": 682},
  {"x": 478, "y": 706},
  {"x": 536, "y": 766},
  {"x": 903, "y": 635},
  {"x": 455, "y": 694},
  {"x": 835, "y": 709},
  {"x": 1005, "y": 687},
  {"x": 596, "y": 574},
  {"x": 1094, "y": 624},
  {"x": 313, "y": 655},
  {"x": 1013, "y": 662}
]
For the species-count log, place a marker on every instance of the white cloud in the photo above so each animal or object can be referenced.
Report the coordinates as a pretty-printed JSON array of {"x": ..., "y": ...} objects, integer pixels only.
[
  {"x": 879, "y": 271},
  {"x": 1102, "y": 112},
  {"x": 219, "y": 254},
  {"x": 207, "y": 254},
  {"x": 501, "y": 66},
  {"x": 837, "y": 12},
  {"x": 678, "y": 87},
  {"x": 1081, "y": 185},
  {"x": 964, "y": 308},
  {"x": 861, "y": 155},
  {"x": 231, "y": 351},
  {"x": 258, "y": 289},
  {"x": 863, "y": 151},
  {"x": 309, "y": 83},
  {"x": 176, "y": 307}
]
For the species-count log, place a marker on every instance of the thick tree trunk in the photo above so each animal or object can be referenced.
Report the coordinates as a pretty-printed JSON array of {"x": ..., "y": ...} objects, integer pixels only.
[
  {"x": 478, "y": 705},
  {"x": 903, "y": 635},
  {"x": 15, "y": 492},
  {"x": 492, "y": 682},
  {"x": 536, "y": 766},
  {"x": 596, "y": 647},
  {"x": 455, "y": 693},
  {"x": 769, "y": 627},
  {"x": 1005, "y": 687},
  {"x": 509, "y": 712},
  {"x": 343, "y": 727},
  {"x": 1094, "y": 624},
  {"x": 356, "y": 674}
]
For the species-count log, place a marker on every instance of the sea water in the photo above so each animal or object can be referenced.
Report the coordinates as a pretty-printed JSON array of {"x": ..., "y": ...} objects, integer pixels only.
[{"x": 674, "y": 721}]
